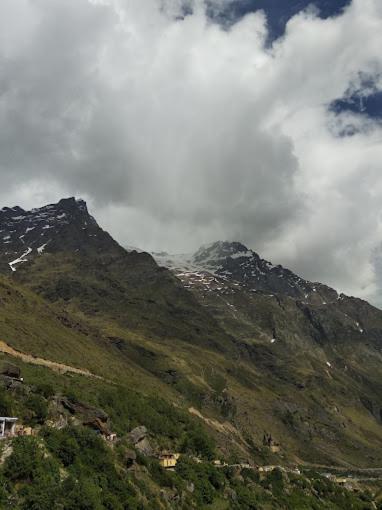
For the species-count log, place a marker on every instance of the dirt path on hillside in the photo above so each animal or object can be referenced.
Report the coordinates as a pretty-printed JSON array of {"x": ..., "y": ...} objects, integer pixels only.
[
  {"x": 53, "y": 365},
  {"x": 224, "y": 428}
]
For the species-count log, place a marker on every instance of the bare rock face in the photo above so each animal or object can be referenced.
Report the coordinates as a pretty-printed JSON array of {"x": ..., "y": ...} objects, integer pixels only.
[
  {"x": 138, "y": 437},
  {"x": 138, "y": 434},
  {"x": 145, "y": 447},
  {"x": 98, "y": 426},
  {"x": 85, "y": 411},
  {"x": 12, "y": 371}
]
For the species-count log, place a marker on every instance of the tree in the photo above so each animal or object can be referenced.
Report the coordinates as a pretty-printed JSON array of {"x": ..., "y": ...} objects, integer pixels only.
[
  {"x": 198, "y": 442},
  {"x": 25, "y": 460}
]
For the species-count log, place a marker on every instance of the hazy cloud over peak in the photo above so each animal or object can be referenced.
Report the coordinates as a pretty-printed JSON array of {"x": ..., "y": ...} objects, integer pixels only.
[{"x": 179, "y": 130}]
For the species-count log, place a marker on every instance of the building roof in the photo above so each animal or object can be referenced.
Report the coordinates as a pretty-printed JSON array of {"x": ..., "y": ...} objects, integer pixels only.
[{"x": 7, "y": 418}]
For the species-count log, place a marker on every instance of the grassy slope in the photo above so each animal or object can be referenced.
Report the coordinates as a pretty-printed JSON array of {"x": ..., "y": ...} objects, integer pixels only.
[
  {"x": 130, "y": 290},
  {"x": 316, "y": 411},
  {"x": 31, "y": 325}
]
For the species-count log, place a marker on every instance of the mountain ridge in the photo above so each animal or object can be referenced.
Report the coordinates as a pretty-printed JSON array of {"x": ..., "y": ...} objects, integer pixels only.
[{"x": 232, "y": 260}]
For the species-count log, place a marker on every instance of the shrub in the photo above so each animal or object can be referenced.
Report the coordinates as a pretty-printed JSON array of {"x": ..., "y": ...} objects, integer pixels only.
[
  {"x": 197, "y": 442},
  {"x": 25, "y": 461},
  {"x": 38, "y": 408},
  {"x": 62, "y": 444},
  {"x": 43, "y": 494},
  {"x": 46, "y": 390},
  {"x": 82, "y": 494}
]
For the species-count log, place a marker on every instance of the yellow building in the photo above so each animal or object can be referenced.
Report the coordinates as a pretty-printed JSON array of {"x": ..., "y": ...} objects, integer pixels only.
[{"x": 168, "y": 460}]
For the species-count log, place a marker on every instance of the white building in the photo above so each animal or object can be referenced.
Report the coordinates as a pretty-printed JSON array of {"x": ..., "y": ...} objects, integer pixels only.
[{"x": 7, "y": 426}]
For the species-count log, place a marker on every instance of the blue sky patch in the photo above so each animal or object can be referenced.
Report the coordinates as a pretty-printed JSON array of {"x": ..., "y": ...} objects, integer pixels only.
[
  {"x": 364, "y": 99},
  {"x": 278, "y": 11},
  {"x": 367, "y": 99}
]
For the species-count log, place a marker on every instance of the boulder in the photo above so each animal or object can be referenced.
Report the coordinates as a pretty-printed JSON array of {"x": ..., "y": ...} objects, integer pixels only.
[
  {"x": 12, "y": 371},
  {"x": 98, "y": 426},
  {"x": 138, "y": 434},
  {"x": 144, "y": 447},
  {"x": 87, "y": 411}
]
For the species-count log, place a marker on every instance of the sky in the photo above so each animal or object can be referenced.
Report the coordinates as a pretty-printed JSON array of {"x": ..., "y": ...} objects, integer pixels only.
[{"x": 182, "y": 122}]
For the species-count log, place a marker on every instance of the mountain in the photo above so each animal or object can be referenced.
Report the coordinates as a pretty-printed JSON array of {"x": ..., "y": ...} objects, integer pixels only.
[
  {"x": 233, "y": 282},
  {"x": 220, "y": 341},
  {"x": 234, "y": 261},
  {"x": 61, "y": 252},
  {"x": 65, "y": 226},
  {"x": 316, "y": 353}
]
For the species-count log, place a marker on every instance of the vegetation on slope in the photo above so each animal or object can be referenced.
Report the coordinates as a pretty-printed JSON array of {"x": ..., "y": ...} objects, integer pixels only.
[{"x": 70, "y": 467}]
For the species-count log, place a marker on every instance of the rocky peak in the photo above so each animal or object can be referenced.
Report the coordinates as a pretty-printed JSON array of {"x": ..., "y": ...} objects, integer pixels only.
[
  {"x": 213, "y": 254},
  {"x": 234, "y": 262},
  {"x": 228, "y": 258},
  {"x": 64, "y": 226}
]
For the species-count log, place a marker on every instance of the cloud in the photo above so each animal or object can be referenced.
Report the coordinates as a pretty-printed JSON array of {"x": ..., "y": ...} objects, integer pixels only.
[{"x": 180, "y": 131}]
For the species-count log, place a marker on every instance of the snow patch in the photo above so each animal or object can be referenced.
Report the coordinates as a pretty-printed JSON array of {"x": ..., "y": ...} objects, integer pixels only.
[
  {"x": 40, "y": 249},
  {"x": 243, "y": 254},
  {"x": 20, "y": 259}
]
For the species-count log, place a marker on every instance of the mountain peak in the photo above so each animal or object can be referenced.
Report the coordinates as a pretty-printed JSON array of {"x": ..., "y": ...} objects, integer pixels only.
[
  {"x": 232, "y": 261},
  {"x": 62, "y": 226},
  {"x": 220, "y": 250},
  {"x": 72, "y": 203}
]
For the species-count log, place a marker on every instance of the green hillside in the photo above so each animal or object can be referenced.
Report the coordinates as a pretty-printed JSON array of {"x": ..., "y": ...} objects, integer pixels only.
[
  {"x": 68, "y": 466},
  {"x": 226, "y": 367}
]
